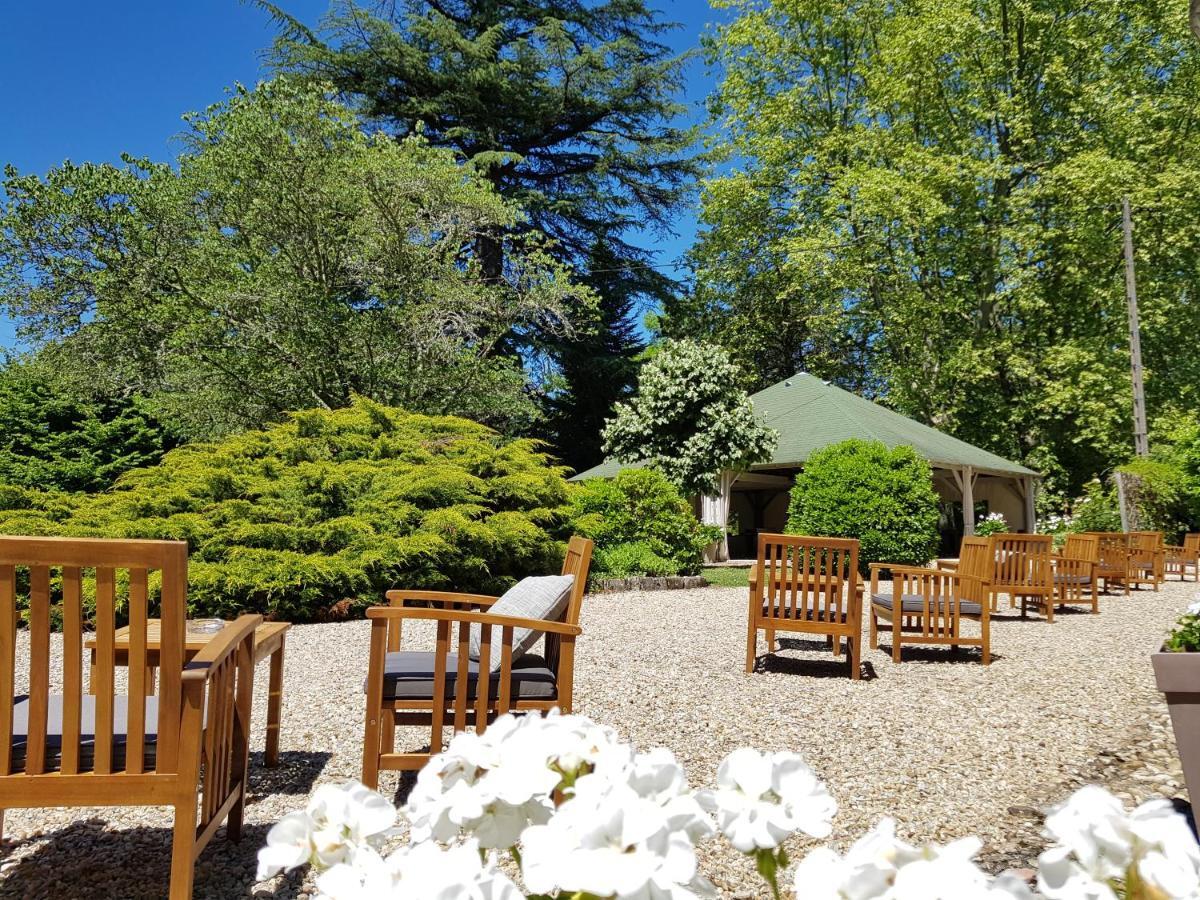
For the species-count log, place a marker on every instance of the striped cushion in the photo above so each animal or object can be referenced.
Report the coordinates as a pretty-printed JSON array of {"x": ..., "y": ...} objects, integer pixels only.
[{"x": 540, "y": 597}]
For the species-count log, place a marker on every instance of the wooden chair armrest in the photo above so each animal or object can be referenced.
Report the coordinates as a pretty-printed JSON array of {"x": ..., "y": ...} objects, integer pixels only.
[
  {"x": 474, "y": 618},
  {"x": 945, "y": 565},
  {"x": 220, "y": 647},
  {"x": 401, "y": 597}
]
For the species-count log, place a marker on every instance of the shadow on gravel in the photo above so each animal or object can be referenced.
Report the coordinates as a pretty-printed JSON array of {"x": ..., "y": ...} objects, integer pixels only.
[
  {"x": 916, "y": 653},
  {"x": 831, "y": 667},
  {"x": 296, "y": 773},
  {"x": 85, "y": 859}
]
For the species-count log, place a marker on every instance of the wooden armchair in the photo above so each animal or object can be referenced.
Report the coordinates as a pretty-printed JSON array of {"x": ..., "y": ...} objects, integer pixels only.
[
  {"x": 1075, "y": 579},
  {"x": 808, "y": 585},
  {"x": 1022, "y": 567},
  {"x": 1179, "y": 558},
  {"x": 443, "y": 688},
  {"x": 1147, "y": 558},
  {"x": 927, "y": 606},
  {"x": 1113, "y": 564},
  {"x": 107, "y": 748}
]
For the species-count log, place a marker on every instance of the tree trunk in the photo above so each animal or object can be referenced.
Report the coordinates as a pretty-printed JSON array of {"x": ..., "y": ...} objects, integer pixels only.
[{"x": 1194, "y": 18}]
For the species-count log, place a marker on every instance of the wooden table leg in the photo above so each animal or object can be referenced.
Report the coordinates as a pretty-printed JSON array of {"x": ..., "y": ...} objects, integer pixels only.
[{"x": 274, "y": 705}]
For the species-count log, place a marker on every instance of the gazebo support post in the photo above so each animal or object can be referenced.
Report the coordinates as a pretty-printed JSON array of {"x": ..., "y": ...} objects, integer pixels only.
[{"x": 714, "y": 510}]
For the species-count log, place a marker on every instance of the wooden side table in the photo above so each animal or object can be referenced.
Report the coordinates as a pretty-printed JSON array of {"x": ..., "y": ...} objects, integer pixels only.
[{"x": 269, "y": 640}]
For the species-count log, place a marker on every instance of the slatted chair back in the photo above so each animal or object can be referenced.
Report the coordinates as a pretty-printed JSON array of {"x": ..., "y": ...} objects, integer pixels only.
[
  {"x": 117, "y": 574},
  {"x": 577, "y": 562},
  {"x": 1085, "y": 547},
  {"x": 1021, "y": 564},
  {"x": 941, "y": 594},
  {"x": 1147, "y": 557},
  {"x": 807, "y": 579},
  {"x": 975, "y": 560},
  {"x": 1191, "y": 543}
]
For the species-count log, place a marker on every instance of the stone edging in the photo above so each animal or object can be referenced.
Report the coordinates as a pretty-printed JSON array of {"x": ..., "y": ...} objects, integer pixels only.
[{"x": 646, "y": 583}]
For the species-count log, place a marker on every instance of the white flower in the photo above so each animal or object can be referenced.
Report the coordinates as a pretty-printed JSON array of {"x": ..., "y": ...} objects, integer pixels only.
[
  {"x": 1194, "y": 607},
  {"x": 880, "y": 867},
  {"x": 423, "y": 870},
  {"x": 610, "y": 842},
  {"x": 1099, "y": 845},
  {"x": 339, "y": 819},
  {"x": 761, "y": 798}
]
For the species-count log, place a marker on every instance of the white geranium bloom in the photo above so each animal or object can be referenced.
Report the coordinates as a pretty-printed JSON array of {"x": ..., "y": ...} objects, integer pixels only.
[
  {"x": 1100, "y": 846},
  {"x": 1194, "y": 607},
  {"x": 761, "y": 798},
  {"x": 610, "y": 842},
  {"x": 339, "y": 819},
  {"x": 880, "y": 867},
  {"x": 423, "y": 870}
]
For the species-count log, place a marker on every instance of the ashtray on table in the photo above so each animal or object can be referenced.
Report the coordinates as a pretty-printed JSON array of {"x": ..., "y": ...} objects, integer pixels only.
[{"x": 205, "y": 626}]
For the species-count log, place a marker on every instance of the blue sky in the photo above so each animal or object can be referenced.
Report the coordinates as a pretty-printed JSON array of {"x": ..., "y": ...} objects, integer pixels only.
[{"x": 88, "y": 81}]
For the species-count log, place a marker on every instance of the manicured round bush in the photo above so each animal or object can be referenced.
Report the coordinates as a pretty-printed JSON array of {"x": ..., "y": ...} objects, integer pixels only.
[
  {"x": 330, "y": 510},
  {"x": 861, "y": 489},
  {"x": 641, "y": 524}
]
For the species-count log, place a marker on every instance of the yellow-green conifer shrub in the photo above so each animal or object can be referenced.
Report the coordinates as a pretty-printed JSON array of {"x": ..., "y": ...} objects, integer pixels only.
[{"x": 332, "y": 506}]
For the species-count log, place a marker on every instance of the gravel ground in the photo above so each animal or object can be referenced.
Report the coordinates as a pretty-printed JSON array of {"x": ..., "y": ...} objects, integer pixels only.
[{"x": 941, "y": 743}]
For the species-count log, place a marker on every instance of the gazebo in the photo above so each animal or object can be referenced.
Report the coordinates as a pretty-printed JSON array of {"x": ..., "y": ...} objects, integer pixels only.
[{"x": 810, "y": 414}]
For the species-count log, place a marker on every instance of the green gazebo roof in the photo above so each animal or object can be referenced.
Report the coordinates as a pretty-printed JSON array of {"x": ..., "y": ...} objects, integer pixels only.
[{"x": 810, "y": 414}]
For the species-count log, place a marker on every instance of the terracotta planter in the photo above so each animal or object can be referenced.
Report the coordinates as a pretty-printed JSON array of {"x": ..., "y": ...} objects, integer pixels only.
[{"x": 1178, "y": 676}]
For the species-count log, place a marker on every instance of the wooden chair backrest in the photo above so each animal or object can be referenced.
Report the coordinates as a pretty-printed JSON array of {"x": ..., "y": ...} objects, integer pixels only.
[
  {"x": 1021, "y": 562},
  {"x": 942, "y": 593},
  {"x": 974, "y": 558},
  {"x": 1146, "y": 540},
  {"x": 805, "y": 578},
  {"x": 1082, "y": 546},
  {"x": 1114, "y": 550},
  {"x": 74, "y": 567},
  {"x": 1191, "y": 542},
  {"x": 577, "y": 562}
]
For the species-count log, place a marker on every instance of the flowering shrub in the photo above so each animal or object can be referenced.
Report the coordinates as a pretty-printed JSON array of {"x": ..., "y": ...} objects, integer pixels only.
[
  {"x": 1185, "y": 636},
  {"x": 992, "y": 523},
  {"x": 627, "y": 826}
]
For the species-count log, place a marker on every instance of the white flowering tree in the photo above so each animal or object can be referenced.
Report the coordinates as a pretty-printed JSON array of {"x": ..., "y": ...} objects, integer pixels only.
[
  {"x": 690, "y": 419},
  {"x": 627, "y": 825}
]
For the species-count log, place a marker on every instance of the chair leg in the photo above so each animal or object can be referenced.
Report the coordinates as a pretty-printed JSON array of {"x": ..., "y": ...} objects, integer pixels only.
[
  {"x": 986, "y": 639},
  {"x": 182, "y": 841},
  {"x": 854, "y": 653},
  {"x": 1049, "y": 608},
  {"x": 874, "y": 631},
  {"x": 895, "y": 638},
  {"x": 1095, "y": 598},
  {"x": 770, "y": 640},
  {"x": 751, "y": 641},
  {"x": 372, "y": 744}
]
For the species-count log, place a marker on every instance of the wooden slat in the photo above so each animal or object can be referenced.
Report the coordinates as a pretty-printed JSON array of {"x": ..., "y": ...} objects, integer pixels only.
[
  {"x": 39, "y": 668},
  {"x": 8, "y": 661},
  {"x": 483, "y": 689},
  {"x": 136, "y": 724},
  {"x": 462, "y": 686},
  {"x": 504, "y": 702},
  {"x": 171, "y": 633},
  {"x": 72, "y": 668},
  {"x": 104, "y": 684},
  {"x": 438, "y": 712}
]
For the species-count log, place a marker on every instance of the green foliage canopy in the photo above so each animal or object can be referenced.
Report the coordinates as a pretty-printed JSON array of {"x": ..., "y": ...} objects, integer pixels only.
[
  {"x": 568, "y": 109},
  {"x": 329, "y": 507},
  {"x": 289, "y": 260},
  {"x": 690, "y": 419},
  {"x": 52, "y": 437},
  {"x": 641, "y": 524},
  {"x": 925, "y": 207},
  {"x": 861, "y": 489}
]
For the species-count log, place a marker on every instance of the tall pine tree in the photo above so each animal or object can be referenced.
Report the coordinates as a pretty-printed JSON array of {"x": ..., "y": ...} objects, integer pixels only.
[{"x": 566, "y": 107}]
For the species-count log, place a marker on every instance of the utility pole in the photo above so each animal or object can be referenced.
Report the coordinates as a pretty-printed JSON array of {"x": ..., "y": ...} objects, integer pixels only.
[{"x": 1141, "y": 443}]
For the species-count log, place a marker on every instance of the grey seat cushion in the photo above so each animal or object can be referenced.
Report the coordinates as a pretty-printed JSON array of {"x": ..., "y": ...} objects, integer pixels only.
[
  {"x": 915, "y": 604},
  {"x": 87, "y": 728},
  {"x": 1064, "y": 578},
  {"x": 537, "y": 597},
  {"x": 408, "y": 675},
  {"x": 807, "y": 607}
]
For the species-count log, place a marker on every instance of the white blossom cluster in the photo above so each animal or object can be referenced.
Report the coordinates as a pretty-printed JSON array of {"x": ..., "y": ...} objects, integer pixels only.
[{"x": 580, "y": 813}]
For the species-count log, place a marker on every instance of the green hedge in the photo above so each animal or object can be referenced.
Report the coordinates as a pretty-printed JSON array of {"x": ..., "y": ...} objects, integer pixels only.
[
  {"x": 861, "y": 489},
  {"x": 641, "y": 523},
  {"x": 330, "y": 509}
]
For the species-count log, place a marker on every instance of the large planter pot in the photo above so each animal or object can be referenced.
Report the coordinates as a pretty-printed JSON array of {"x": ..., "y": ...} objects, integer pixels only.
[{"x": 1178, "y": 676}]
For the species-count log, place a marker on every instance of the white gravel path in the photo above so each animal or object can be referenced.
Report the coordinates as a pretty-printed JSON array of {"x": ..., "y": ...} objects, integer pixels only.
[{"x": 946, "y": 746}]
